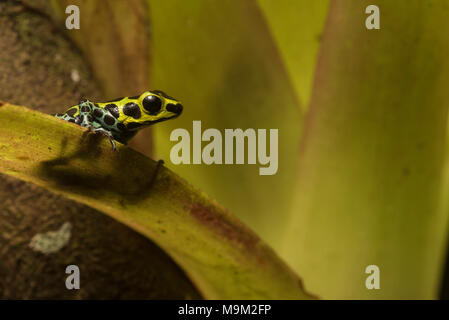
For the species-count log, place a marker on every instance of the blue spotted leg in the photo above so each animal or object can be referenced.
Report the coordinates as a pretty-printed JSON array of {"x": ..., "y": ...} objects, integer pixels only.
[{"x": 87, "y": 120}]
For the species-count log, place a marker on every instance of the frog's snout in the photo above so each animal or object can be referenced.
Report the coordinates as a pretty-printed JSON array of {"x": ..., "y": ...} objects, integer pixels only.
[{"x": 175, "y": 108}]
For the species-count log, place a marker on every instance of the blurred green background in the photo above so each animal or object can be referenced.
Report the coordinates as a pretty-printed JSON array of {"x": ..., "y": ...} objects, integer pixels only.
[{"x": 361, "y": 115}]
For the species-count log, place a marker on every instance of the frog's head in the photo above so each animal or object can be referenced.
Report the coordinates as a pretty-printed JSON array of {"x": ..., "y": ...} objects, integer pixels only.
[
  {"x": 155, "y": 106},
  {"x": 159, "y": 106}
]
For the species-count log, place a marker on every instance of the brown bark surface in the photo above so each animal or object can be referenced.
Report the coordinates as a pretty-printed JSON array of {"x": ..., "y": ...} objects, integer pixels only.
[{"x": 38, "y": 68}]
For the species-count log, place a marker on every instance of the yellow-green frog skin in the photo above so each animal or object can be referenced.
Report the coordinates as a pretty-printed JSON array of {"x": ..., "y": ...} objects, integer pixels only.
[{"x": 121, "y": 118}]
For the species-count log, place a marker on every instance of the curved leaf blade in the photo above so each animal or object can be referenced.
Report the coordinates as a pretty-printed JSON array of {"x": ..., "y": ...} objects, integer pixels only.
[
  {"x": 223, "y": 257},
  {"x": 371, "y": 164}
]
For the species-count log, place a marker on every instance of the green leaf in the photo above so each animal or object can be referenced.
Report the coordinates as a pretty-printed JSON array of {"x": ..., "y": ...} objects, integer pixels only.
[
  {"x": 221, "y": 256},
  {"x": 297, "y": 27},
  {"x": 370, "y": 167},
  {"x": 219, "y": 59}
]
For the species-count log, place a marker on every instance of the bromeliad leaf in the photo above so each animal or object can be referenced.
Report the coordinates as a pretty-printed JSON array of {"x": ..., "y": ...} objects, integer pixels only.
[{"x": 222, "y": 257}]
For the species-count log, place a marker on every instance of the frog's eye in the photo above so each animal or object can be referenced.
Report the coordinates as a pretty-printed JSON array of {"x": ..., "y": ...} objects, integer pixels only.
[{"x": 152, "y": 104}]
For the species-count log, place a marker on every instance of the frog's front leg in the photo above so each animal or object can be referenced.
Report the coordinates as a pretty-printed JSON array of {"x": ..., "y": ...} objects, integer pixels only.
[
  {"x": 104, "y": 132},
  {"x": 95, "y": 127},
  {"x": 86, "y": 119}
]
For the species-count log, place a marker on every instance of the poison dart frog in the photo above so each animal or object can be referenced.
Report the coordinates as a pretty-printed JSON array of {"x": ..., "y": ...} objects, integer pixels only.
[{"x": 121, "y": 118}]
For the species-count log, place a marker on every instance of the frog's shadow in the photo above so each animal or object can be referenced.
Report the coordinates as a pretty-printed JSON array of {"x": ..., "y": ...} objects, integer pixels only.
[{"x": 129, "y": 185}]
